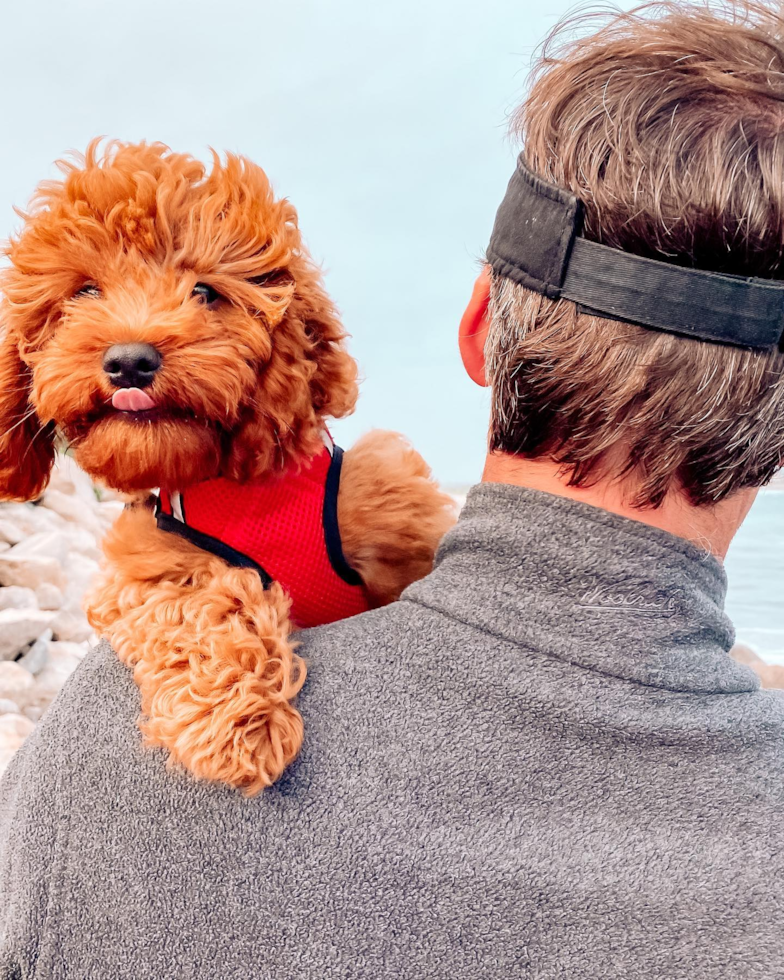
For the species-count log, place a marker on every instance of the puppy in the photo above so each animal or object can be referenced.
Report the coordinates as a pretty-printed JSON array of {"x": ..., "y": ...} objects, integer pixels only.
[{"x": 165, "y": 322}]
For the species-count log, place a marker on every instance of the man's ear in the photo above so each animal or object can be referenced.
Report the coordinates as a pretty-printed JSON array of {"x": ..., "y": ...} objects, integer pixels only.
[
  {"x": 26, "y": 447},
  {"x": 474, "y": 327}
]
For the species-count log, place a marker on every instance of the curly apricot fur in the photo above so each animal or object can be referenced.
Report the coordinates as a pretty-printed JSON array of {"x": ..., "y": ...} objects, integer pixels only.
[
  {"x": 210, "y": 653},
  {"x": 391, "y": 514},
  {"x": 243, "y": 389},
  {"x": 26, "y": 446}
]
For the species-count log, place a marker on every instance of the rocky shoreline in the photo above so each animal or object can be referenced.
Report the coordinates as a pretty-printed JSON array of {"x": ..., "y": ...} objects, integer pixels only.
[{"x": 49, "y": 554}]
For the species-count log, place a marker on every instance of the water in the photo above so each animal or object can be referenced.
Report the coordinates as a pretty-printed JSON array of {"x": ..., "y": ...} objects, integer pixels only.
[{"x": 755, "y": 568}]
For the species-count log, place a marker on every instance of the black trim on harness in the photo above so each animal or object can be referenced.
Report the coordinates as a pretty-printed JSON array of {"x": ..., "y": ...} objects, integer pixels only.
[
  {"x": 537, "y": 242},
  {"x": 207, "y": 543},
  {"x": 330, "y": 521}
]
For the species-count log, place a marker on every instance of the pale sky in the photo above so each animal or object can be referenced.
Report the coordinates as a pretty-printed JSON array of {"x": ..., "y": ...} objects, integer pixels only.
[{"x": 384, "y": 123}]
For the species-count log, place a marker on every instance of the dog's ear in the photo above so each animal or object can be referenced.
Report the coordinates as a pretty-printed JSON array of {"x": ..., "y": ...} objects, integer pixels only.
[
  {"x": 308, "y": 333},
  {"x": 333, "y": 385},
  {"x": 310, "y": 376},
  {"x": 26, "y": 447}
]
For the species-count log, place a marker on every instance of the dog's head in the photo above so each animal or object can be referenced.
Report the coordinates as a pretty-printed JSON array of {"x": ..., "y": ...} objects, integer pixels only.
[{"x": 167, "y": 323}]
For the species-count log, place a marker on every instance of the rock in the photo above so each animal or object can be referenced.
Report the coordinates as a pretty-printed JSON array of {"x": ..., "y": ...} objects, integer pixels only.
[
  {"x": 81, "y": 540},
  {"x": 48, "y": 596},
  {"x": 49, "y": 556},
  {"x": 71, "y": 627},
  {"x": 72, "y": 509},
  {"x": 45, "y": 544},
  {"x": 35, "y": 659},
  {"x": 81, "y": 572},
  {"x": 77, "y": 650},
  {"x": 69, "y": 479},
  {"x": 110, "y": 510},
  {"x": 30, "y": 572},
  {"x": 31, "y": 519},
  {"x": 107, "y": 514},
  {"x": 64, "y": 658},
  {"x": 745, "y": 655},
  {"x": 14, "y": 729},
  {"x": 15, "y": 597},
  {"x": 9, "y": 532},
  {"x": 15, "y": 682},
  {"x": 771, "y": 675},
  {"x": 18, "y": 627}
]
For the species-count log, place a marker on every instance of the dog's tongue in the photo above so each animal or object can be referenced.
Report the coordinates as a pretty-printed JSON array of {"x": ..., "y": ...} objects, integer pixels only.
[{"x": 132, "y": 400}]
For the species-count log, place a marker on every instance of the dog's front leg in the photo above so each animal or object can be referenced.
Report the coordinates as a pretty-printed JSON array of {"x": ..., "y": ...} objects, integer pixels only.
[{"x": 210, "y": 650}]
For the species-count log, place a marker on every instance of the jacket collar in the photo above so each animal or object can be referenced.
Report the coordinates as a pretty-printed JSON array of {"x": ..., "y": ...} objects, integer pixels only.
[{"x": 588, "y": 587}]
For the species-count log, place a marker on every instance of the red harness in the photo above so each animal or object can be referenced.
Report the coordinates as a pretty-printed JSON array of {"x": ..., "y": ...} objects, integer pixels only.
[{"x": 284, "y": 527}]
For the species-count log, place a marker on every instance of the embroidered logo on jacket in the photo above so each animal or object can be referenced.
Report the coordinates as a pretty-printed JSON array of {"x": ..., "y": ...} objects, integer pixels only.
[{"x": 617, "y": 598}]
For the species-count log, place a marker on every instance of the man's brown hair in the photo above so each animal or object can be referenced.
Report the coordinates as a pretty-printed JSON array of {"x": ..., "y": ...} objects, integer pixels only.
[{"x": 668, "y": 123}]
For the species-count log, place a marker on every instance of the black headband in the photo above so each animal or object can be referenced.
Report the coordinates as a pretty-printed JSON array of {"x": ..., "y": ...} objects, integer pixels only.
[{"x": 536, "y": 242}]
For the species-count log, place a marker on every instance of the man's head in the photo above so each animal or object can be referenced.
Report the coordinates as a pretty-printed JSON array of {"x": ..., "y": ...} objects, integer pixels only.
[{"x": 668, "y": 124}]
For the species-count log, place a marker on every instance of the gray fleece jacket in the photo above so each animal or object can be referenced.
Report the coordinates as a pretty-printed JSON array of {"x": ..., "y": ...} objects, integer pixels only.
[{"x": 540, "y": 763}]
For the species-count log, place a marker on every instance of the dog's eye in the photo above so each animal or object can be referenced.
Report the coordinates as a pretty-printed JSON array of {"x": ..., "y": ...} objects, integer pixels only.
[
  {"x": 205, "y": 294},
  {"x": 88, "y": 289}
]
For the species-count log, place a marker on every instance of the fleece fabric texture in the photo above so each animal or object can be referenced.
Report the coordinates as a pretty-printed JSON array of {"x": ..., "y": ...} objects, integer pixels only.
[{"x": 541, "y": 763}]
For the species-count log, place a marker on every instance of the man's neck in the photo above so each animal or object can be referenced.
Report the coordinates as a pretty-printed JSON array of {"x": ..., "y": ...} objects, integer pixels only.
[{"x": 711, "y": 528}]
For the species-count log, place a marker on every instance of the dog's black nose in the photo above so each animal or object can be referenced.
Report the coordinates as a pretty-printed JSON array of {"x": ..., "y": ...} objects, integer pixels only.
[{"x": 131, "y": 365}]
